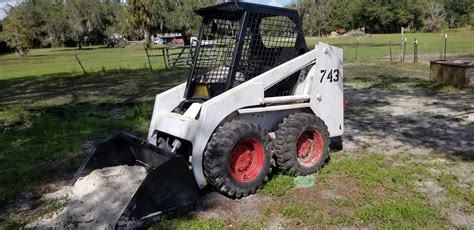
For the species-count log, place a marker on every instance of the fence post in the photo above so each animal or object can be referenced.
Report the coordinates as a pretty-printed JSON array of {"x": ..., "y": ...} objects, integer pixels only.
[
  {"x": 82, "y": 67},
  {"x": 415, "y": 51},
  {"x": 404, "y": 50},
  {"x": 401, "y": 44},
  {"x": 148, "y": 57},
  {"x": 390, "y": 42},
  {"x": 445, "y": 45},
  {"x": 165, "y": 59},
  {"x": 357, "y": 49}
]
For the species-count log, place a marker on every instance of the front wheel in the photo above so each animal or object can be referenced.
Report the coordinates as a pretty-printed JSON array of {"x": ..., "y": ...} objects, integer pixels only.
[
  {"x": 301, "y": 144},
  {"x": 237, "y": 159}
]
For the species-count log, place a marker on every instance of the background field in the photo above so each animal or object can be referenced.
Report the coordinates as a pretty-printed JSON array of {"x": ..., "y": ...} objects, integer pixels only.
[{"x": 375, "y": 47}]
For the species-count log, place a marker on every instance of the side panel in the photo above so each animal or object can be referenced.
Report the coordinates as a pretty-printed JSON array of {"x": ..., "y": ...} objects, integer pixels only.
[
  {"x": 214, "y": 111},
  {"x": 165, "y": 102},
  {"x": 251, "y": 93},
  {"x": 327, "y": 97}
]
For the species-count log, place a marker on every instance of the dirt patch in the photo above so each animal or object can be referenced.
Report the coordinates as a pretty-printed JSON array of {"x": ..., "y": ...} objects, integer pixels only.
[
  {"x": 436, "y": 193},
  {"x": 96, "y": 201},
  {"x": 216, "y": 205},
  {"x": 408, "y": 121},
  {"x": 461, "y": 219}
]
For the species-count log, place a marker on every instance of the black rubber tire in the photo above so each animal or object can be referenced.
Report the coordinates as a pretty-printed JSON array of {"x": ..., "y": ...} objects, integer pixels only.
[
  {"x": 217, "y": 157},
  {"x": 285, "y": 143},
  {"x": 336, "y": 144}
]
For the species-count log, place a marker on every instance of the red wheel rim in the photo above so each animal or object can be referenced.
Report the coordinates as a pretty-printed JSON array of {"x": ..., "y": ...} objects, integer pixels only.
[
  {"x": 246, "y": 159},
  {"x": 309, "y": 147}
]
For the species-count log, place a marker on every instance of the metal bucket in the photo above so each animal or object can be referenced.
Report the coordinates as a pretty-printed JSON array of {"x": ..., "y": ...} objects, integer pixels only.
[{"x": 168, "y": 189}]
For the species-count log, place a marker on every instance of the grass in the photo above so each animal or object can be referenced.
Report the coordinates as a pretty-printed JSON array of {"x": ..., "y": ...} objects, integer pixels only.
[
  {"x": 45, "y": 120},
  {"x": 457, "y": 193},
  {"x": 192, "y": 224},
  {"x": 378, "y": 46},
  {"x": 279, "y": 186},
  {"x": 61, "y": 60},
  {"x": 96, "y": 59},
  {"x": 389, "y": 77},
  {"x": 384, "y": 196}
]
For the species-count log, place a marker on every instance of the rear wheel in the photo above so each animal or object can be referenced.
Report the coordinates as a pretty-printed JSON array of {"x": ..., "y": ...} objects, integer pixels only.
[
  {"x": 237, "y": 159},
  {"x": 301, "y": 144}
]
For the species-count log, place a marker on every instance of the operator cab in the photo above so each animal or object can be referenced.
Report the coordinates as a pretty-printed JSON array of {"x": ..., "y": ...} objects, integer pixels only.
[{"x": 239, "y": 41}]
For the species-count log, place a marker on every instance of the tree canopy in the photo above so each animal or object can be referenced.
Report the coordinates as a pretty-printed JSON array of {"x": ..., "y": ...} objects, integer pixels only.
[
  {"x": 383, "y": 16},
  {"x": 45, "y": 23}
]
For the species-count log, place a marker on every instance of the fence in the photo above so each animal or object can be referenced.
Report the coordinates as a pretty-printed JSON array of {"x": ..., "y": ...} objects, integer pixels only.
[{"x": 413, "y": 47}]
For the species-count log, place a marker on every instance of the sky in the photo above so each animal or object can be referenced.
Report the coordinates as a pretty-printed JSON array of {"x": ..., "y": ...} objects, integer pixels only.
[
  {"x": 279, "y": 3},
  {"x": 3, "y": 4}
]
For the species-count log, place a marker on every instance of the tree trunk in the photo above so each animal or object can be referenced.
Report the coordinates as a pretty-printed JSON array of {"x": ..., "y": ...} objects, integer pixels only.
[
  {"x": 79, "y": 44},
  {"x": 147, "y": 38},
  {"x": 186, "y": 37}
]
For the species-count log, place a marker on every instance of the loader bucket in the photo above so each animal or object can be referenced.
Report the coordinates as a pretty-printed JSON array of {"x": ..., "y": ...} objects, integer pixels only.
[{"x": 168, "y": 189}]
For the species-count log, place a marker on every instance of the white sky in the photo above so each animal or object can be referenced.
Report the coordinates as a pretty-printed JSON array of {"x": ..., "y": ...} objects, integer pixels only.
[{"x": 3, "y": 6}]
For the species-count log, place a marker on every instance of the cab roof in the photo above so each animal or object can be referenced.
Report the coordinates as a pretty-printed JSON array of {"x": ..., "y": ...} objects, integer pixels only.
[{"x": 235, "y": 9}]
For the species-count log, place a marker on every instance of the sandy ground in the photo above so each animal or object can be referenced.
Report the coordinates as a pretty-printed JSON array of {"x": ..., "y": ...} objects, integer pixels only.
[{"x": 96, "y": 201}]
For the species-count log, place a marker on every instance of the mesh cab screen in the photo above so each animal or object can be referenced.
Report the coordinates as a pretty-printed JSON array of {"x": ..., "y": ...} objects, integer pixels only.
[
  {"x": 269, "y": 42},
  {"x": 258, "y": 37},
  {"x": 218, "y": 43}
]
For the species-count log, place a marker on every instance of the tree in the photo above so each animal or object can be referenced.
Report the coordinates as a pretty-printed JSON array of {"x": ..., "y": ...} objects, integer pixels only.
[
  {"x": 180, "y": 17},
  {"x": 389, "y": 16},
  {"x": 459, "y": 12},
  {"x": 116, "y": 20},
  {"x": 16, "y": 32},
  {"x": 143, "y": 15},
  {"x": 86, "y": 18},
  {"x": 435, "y": 15},
  {"x": 342, "y": 14}
]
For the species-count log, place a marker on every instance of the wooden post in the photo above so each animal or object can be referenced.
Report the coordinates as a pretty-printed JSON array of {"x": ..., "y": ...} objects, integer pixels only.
[
  {"x": 445, "y": 45},
  {"x": 391, "y": 54},
  {"x": 82, "y": 67},
  {"x": 401, "y": 43},
  {"x": 404, "y": 50},
  {"x": 415, "y": 51},
  {"x": 148, "y": 57},
  {"x": 442, "y": 48},
  {"x": 357, "y": 49},
  {"x": 165, "y": 60}
]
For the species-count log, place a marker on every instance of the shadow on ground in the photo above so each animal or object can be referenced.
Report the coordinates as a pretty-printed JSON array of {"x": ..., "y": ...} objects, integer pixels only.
[
  {"x": 49, "y": 122},
  {"x": 401, "y": 113}
]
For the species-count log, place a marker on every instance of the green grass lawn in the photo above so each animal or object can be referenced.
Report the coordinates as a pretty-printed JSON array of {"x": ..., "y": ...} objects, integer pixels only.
[
  {"x": 377, "y": 46},
  {"x": 62, "y": 60}
]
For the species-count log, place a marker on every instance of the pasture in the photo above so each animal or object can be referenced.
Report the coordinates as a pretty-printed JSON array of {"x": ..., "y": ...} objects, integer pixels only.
[{"x": 61, "y": 61}]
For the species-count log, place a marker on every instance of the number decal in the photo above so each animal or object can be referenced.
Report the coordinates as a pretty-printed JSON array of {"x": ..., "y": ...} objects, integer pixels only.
[
  {"x": 324, "y": 74},
  {"x": 331, "y": 75},
  {"x": 336, "y": 73}
]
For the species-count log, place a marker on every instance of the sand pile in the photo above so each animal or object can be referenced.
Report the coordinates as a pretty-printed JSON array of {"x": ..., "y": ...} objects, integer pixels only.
[{"x": 97, "y": 200}]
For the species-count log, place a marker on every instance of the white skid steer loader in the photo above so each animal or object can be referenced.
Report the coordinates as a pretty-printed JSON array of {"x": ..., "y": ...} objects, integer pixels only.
[{"x": 255, "y": 94}]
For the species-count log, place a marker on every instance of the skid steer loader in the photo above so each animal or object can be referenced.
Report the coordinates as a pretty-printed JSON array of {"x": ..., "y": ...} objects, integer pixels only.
[{"x": 255, "y": 94}]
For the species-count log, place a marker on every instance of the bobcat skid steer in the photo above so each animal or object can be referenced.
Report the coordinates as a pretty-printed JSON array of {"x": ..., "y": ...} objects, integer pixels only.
[{"x": 255, "y": 97}]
